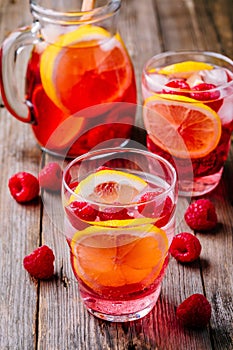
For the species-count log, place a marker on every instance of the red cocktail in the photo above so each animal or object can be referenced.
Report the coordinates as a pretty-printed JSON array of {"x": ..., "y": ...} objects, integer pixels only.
[
  {"x": 119, "y": 223},
  {"x": 188, "y": 114}
]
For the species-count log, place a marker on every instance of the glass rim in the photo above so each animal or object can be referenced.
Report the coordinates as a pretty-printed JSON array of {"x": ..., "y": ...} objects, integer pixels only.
[
  {"x": 75, "y": 16},
  {"x": 210, "y": 54},
  {"x": 106, "y": 151}
]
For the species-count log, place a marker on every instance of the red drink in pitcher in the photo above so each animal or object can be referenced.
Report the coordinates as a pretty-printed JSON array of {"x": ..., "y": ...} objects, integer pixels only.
[
  {"x": 83, "y": 68},
  {"x": 80, "y": 86}
]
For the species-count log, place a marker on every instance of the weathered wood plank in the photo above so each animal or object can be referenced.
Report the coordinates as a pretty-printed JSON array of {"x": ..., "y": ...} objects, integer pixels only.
[
  {"x": 20, "y": 227},
  {"x": 20, "y": 224},
  {"x": 217, "y": 262}
]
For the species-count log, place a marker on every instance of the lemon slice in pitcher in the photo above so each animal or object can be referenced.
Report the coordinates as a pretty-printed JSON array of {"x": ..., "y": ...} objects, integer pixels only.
[{"x": 85, "y": 67}]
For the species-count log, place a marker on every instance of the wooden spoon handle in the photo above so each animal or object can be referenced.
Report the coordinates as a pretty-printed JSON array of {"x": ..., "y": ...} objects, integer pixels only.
[{"x": 87, "y": 5}]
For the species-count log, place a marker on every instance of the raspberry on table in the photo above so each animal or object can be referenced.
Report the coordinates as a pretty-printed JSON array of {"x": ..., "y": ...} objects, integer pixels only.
[
  {"x": 201, "y": 215},
  {"x": 195, "y": 311},
  {"x": 185, "y": 247},
  {"x": 23, "y": 187},
  {"x": 50, "y": 177},
  {"x": 40, "y": 263}
]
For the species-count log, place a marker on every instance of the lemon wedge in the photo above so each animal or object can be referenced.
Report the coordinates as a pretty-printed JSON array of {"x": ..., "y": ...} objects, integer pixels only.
[{"x": 184, "y": 69}]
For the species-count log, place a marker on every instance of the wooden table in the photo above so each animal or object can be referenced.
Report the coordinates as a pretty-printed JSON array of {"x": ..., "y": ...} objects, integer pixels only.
[{"x": 49, "y": 315}]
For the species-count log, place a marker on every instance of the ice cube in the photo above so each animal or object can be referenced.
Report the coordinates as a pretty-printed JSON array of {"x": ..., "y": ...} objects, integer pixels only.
[
  {"x": 194, "y": 79},
  {"x": 156, "y": 82},
  {"x": 226, "y": 110},
  {"x": 216, "y": 76},
  {"x": 51, "y": 33}
]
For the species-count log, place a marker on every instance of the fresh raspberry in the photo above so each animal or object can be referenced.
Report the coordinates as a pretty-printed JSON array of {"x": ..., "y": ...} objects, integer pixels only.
[
  {"x": 201, "y": 93},
  {"x": 114, "y": 214},
  {"x": 50, "y": 177},
  {"x": 201, "y": 215},
  {"x": 83, "y": 210},
  {"x": 195, "y": 311},
  {"x": 40, "y": 263},
  {"x": 147, "y": 209},
  {"x": 185, "y": 247},
  {"x": 177, "y": 84},
  {"x": 166, "y": 213},
  {"x": 153, "y": 210},
  {"x": 23, "y": 187}
]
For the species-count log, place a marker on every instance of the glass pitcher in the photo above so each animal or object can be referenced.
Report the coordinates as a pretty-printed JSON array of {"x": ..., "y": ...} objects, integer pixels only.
[{"x": 69, "y": 75}]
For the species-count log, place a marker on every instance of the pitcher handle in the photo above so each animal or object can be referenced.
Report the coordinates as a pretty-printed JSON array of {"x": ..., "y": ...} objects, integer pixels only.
[{"x": 12, "y": 48}]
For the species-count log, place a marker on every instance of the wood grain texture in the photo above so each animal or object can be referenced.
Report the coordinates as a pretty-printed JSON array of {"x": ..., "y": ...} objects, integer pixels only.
[{"x": 49, "y": 315}]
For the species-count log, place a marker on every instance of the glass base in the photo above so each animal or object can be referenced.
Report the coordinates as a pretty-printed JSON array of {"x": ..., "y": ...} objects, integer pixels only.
[
  {"x": 123, "y": 311},
  {"x": 200, "y": 185}
]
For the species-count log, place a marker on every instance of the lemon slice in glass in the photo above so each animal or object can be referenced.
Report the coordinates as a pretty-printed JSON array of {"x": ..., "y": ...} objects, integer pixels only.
[{"x": 182, "y": 126}]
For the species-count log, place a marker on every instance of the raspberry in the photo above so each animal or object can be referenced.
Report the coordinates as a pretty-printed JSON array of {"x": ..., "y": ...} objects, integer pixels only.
[
  {"x": 23, "y": 187},
  {"x": 195, "y": 311},
  {"x": 201, "y": 215},
  {"x": 83, "y": 210},
  {"x": 162, "y": 211},
  {"x": 148, "y": 208},
  {"x": 177, "y": 84},
  {"x": 201, "y": 93},
  {"x": 50, "y": 177},
  {"x": 114, "y": 214},
  {"x": 185, "y": 247},
  {"x": 166, "y": 213},
  {"x": 40, "y": 263}
]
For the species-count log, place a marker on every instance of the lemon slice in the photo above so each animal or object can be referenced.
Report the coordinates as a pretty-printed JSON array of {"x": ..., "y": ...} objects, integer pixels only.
[
  {"x": 51, "y": 55},
  {"x": 116, "y": 257},
  {"x": 110, "y": 186},
  {"x": 184, "y": 69},
  {"x": 85, "y": 59},
  {"x": 181, "y": 126},
  {"x": 125, "y": 222}
]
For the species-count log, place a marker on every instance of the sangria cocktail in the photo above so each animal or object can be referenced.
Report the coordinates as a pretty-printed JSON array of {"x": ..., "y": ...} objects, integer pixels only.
[
  {"x": 188, "y": 114},
  {"x": 119, "y": 222},
  {"x": 80, "y": 85}
]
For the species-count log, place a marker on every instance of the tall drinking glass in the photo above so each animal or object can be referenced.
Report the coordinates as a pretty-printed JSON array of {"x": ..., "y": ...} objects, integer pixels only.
[{"x": 119, "y": 222}]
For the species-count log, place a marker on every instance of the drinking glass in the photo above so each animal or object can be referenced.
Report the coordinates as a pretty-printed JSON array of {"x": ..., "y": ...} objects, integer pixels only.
[
  {"x": 69, "y": 75},
  {"x": 188, "y": 114},
  {"x": 119, "y": 209}
]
